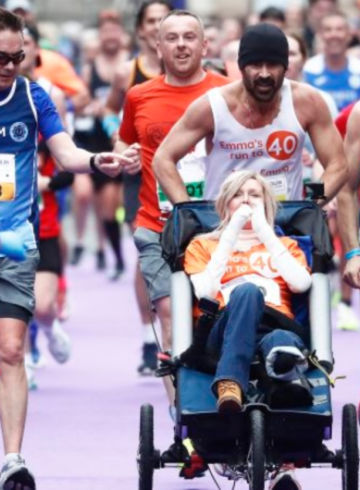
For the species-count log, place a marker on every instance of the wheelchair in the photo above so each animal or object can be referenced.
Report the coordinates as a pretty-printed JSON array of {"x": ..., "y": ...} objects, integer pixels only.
[{"x": 259, "y": 439}]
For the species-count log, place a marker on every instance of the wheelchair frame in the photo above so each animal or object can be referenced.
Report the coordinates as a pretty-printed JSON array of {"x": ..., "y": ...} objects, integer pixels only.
[{"x": 258, "y": 440}]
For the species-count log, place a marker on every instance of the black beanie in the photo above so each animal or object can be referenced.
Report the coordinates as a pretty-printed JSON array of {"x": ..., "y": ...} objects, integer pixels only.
[{"x": 263, "y": 43}]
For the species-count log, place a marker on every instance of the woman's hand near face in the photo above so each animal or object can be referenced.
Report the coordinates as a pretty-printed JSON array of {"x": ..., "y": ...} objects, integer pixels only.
[
  {"x": 209, "y": 280},
  {"x": 241, "y": 216},
  {"x": 259, "y": 221}
]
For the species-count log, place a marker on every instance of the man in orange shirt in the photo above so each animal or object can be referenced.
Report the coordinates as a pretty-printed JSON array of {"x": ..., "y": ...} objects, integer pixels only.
[
  {"x": 145, "y": 66},
  {"x": 150, "y": 111}
]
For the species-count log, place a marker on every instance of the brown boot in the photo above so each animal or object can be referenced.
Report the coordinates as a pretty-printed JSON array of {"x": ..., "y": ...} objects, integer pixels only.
[{"x": 229, "y": 394}]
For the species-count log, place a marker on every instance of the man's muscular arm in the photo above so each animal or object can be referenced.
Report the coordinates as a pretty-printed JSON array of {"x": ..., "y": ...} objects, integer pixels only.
[
  {"x": 325, "y": 138},
  {"x": 348, "y": 209},
  {"x": 196, "y": 123}
]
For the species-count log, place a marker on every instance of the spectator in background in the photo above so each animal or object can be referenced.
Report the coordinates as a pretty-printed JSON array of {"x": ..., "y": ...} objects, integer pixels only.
[
  {"x": 275, "y": 16},
  {"x": 213, "y": 36},
  {"x": 333, "y": 70},
  {"x": 69, "y": 42},
  {"x": 316, "y": 11},
  {"x": 229, "y": 55},
  {"x": 231, "y": 29},
  {"x": 24, "y": 8},
  {"x": 98, "y": 76},
  {"x": 295, "y": 18},
  {"x": 90, "y": 46},
  {"x": 260, "y": 5},
  {"x": 212, "y": 60},
  {"x": 297, "y": 60}
]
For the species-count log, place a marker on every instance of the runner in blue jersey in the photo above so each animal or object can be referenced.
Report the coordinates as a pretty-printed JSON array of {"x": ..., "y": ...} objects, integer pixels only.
[
  {"x": 333, "y": 70},
  {"x": 25, "y": 111}
]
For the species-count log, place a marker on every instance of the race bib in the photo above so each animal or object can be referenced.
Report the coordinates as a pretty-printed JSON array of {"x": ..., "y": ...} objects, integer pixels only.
[
  {"x": 192, "y": 171},
  {"x": 269, "y": 288},
  {"x": 279, "y": 187},
  {"x": 7, "y": 177}
]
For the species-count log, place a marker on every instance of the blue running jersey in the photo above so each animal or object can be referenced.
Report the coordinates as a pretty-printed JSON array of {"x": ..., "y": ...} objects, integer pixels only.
[
  {"x": 25, "y": 111},
  {"x": 343, "y": 86}
]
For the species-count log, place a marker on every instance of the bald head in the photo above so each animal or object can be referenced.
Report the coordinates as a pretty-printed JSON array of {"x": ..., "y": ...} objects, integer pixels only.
[{"x": 174, "y": 15}]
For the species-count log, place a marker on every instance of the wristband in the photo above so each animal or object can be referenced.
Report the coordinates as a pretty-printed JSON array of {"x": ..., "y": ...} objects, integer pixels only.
[
  {"x": 352, "y": 253},
  {"x": 93, "y": 167}
]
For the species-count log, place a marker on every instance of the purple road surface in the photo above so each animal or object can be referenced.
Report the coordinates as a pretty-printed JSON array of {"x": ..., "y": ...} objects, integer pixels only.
[{"x": 83, "y": 423}]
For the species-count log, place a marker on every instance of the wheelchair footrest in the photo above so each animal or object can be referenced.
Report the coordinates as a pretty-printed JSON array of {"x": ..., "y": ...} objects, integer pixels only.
[{"x": 196, "y": 468}]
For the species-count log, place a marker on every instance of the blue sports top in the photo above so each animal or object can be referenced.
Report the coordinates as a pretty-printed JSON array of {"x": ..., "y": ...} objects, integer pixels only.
[
  {"x": 25, "y": 111},
  {"x": 342, "y": 85}
]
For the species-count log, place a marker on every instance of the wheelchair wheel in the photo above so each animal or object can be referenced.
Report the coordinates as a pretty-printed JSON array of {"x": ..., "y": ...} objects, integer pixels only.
[
  {"x": 145, "y": 458},
  {"x": 350, "y": 449},
  {"x": 256, "y": 456}
]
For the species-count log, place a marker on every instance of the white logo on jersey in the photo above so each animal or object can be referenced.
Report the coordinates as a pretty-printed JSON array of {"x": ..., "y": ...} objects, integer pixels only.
[
  {"x": 354, "y": 81},
  {"x": 19, "y": 132},
  {"x": 3, "y": 131},
  {"x": 319, "y": 81}
]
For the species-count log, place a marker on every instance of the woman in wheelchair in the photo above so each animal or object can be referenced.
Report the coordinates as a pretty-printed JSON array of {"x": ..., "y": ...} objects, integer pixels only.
[{"x": 252, "y": 272}]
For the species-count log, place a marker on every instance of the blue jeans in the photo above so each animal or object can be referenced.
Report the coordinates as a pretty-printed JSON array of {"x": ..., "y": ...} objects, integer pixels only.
[{"x": 236, "y": 338}]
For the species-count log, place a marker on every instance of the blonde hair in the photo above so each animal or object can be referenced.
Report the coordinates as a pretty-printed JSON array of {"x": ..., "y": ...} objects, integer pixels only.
[{"x": 228, "y": 191}]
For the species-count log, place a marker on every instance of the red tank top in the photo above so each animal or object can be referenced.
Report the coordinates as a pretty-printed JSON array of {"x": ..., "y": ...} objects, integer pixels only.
[{"x": 49, "y": 211}]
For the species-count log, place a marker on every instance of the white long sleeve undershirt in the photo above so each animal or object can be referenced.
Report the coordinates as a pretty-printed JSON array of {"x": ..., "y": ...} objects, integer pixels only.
[{"x": 207, "y": 282}]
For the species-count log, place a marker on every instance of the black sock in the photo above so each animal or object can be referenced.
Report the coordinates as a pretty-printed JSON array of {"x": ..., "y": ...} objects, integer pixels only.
[
  {"x": 284, "y": 363},
  {"x": 113, "y": 232}
]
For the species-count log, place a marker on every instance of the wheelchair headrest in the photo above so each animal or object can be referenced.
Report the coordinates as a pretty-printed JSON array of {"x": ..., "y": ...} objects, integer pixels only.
[{"x": 295, "y": 218}]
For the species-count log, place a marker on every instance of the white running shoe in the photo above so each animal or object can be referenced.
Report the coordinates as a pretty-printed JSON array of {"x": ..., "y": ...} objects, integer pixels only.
[
  {"x": 30, "y": 372},
  {"x": 346, "y": 318},
  {"x": 223, "y": 469},
  {"x": 14, "y": 474},
  {"x": 59, "y": 342}
]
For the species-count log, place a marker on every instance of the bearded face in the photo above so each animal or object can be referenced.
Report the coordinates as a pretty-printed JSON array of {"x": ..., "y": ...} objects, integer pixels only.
[{"x": 263, "y": 80}]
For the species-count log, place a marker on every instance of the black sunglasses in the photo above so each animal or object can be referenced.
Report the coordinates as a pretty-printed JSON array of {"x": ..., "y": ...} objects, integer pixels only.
[{"x": 16, "y": 58}]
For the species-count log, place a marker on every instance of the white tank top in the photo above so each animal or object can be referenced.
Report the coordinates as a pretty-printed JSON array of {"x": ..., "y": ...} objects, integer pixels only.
[{"x": 273, "y": 150}]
